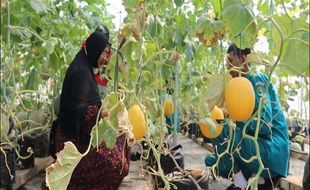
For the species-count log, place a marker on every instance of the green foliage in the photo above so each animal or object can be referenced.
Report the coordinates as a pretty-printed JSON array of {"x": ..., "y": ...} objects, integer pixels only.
[
  {"x": 215, "y": 91},
  {"x": 39, "y": 6},
  {"x": 208, "y": 31},
  {"x": 155, "y": 132},
  {"x": 130, "y": 4},
  {"x": 32, "y": 82},
  {"x": 240, "y": 22},
  {"x": 45, "y": 32},
  {"x": 107, "y": 128},
  {"x": 296, "y": 53},
  {"x": 217, "y": 6},
  {"x": 44, "y": 37},
  {"x": 179, "y": 2},
  {"x": 59, "y": 174}
]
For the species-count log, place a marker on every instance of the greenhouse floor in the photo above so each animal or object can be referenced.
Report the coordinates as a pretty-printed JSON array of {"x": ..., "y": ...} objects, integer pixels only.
[{"x": 194, "y": 160}]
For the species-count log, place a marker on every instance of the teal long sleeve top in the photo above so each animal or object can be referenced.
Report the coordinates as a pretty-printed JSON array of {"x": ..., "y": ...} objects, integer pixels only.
[{"x": 273, "y": 137}]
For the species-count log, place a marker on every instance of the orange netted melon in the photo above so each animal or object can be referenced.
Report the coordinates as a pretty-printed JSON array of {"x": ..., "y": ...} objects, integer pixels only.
[
  {"x": 205, "y": 127},
  {"x": 137, "y": 121},
  {"x": 168, "y": 107},
  {"x": 239, "y": 98}
]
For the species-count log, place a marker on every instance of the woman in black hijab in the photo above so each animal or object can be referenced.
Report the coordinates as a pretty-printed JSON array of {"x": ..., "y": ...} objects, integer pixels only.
[
  {"x": 80, "y": 103},
  {"x": 79, "y": 88}
]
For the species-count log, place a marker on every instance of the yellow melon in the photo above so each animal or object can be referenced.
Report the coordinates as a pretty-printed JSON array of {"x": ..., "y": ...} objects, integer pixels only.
[
  {"x": 168, "y": 107},
  {"x": 137, "y": 121},
  {"x": 209, "y": 128},
  {"x": 239, "y": 98}
]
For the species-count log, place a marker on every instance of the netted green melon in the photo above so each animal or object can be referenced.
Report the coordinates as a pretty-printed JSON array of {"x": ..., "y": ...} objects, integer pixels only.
[{"x": 38, "y": 119}]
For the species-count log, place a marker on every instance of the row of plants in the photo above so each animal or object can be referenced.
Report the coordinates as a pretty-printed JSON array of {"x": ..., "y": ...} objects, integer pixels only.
[{"x": 38, "y": 41}]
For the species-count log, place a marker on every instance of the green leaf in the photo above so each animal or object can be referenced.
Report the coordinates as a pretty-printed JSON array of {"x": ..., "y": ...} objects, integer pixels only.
[
  {"x": 179, "y": 3},
  {"x": 154, "y": 28},
  {"x": 93, "y": 8},
  {"x": 106, "y": 134},
  {"x": 39, "y": 6},
  {"x": 130, "y": 3},
  {"x": 58, "y": 175},
  {"x": 287, "y": 26},
  {"x": 150, "y": 49},
  {"x": 199, "y": 4},
  {"x": 296, "y": 54},
  {"x": 50, "y": 44},
  {"x": 263, "y": 7},
  {"x": 240, "y": 23},
  {"x": 166, "y": 71},
  {"x": 20, "y": 31},
  {"x": 110, "y": 137},
  {"x": 155, "y": 131},
  {"x": 107, "y": 129},
  {"x": 178, "y": 37},
  {"x": 115, "y": 106},
  {"x": 136, "y": 53},
  {"x": 32, "y": 82},
  {"x": 127, "y": 51},
  {"x": 182, "y": 24},
  {"x": 215, "y": 90},
  {"x": 54, "y": 62},
  {"x": 216, "y": 6},
  {"x": 209, "y": 31}
]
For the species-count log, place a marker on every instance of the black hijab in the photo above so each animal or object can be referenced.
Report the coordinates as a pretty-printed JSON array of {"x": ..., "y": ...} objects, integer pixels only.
[
  {"x": 237, "y": 51},
  {"x": 79, "y": 87}
]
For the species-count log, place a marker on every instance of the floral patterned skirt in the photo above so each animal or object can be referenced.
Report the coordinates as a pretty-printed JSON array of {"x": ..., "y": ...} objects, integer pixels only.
[{"x": 100, "y": 169}]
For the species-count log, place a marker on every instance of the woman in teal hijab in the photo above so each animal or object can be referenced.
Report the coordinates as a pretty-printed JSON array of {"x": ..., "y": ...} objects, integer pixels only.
[{"x": 273, "y": 137}]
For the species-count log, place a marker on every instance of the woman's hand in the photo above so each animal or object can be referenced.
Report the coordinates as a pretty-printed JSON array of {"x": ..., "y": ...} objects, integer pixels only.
[{"x": 104, "y": 114}]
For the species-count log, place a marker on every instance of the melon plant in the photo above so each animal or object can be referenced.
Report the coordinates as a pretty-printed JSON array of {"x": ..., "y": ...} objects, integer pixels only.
[
  {"x": 153, "y": 31},
  {"x": 208, "y": 31}
]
